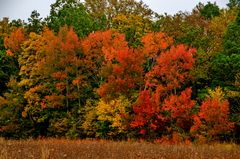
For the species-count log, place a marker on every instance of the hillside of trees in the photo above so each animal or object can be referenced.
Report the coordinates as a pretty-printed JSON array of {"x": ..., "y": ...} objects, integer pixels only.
[{"x": 117, "y": 70}]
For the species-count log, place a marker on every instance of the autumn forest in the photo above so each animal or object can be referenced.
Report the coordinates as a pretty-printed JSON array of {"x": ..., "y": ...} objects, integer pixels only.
[{"x": 114, "y": 69}]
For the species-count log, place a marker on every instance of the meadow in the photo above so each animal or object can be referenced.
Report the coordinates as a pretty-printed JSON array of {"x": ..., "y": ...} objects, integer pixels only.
[{"x": 100, "y": 149}]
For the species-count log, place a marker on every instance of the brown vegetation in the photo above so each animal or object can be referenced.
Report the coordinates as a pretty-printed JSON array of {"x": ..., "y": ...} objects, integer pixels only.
[{"x": 77, "y": 149}]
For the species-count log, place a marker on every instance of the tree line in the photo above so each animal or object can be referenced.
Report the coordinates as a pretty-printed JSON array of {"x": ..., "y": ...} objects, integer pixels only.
[{"x": 117, "y": 70}]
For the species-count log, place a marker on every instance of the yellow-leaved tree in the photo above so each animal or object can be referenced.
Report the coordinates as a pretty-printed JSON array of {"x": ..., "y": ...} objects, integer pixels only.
[
  {"x": 107, "y": 118},
  {"x": 134, "y": 27}
]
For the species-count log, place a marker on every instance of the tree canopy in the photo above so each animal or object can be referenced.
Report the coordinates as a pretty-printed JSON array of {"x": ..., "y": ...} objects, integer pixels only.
[{"x": 114, "y": 69}]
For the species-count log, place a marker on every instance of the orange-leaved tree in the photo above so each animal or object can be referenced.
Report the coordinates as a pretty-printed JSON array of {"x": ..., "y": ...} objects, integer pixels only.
[
  {"x": 126, "y": 75},
  {"x": 64, "y": 66},
  {"x": 153, "y": 45},
  {"x": 100, "y": 49},
  {"x": 13, "y": 41},
  {"x": 64, "y": 81}
]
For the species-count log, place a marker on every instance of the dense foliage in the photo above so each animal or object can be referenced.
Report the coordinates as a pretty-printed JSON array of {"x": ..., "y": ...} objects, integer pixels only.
[{"x": 116, "y": 70}]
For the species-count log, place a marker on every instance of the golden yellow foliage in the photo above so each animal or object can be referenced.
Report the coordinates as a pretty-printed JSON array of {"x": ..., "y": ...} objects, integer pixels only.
[
  {"x": 114, "y": 111},
  {"x": 217, "y": 28},
  {"x": 134, "y": 25},
  {"x": 217, "y": 93},
  {"x": 88, "y": 125}
]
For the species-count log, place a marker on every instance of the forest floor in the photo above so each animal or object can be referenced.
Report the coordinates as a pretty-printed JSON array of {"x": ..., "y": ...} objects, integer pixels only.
[{"x": 86, "y": 149}]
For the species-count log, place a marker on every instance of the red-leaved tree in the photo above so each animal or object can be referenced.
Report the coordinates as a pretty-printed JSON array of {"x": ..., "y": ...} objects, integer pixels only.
[
  {"x": 147, "y": 115},
  {"x": 213, "y": 119},
  {"x": 172, "y": 69},
  {"x": 163, "y": 104},
  {"x": 180, "y": 109}
]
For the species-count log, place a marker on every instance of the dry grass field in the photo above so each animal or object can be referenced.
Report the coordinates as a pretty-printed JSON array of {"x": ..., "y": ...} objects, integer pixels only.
[{"x": 85, "y": 149}]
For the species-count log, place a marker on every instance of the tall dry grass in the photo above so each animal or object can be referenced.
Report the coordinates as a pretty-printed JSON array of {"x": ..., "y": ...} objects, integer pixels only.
[{"x": 92, "y": 149}]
